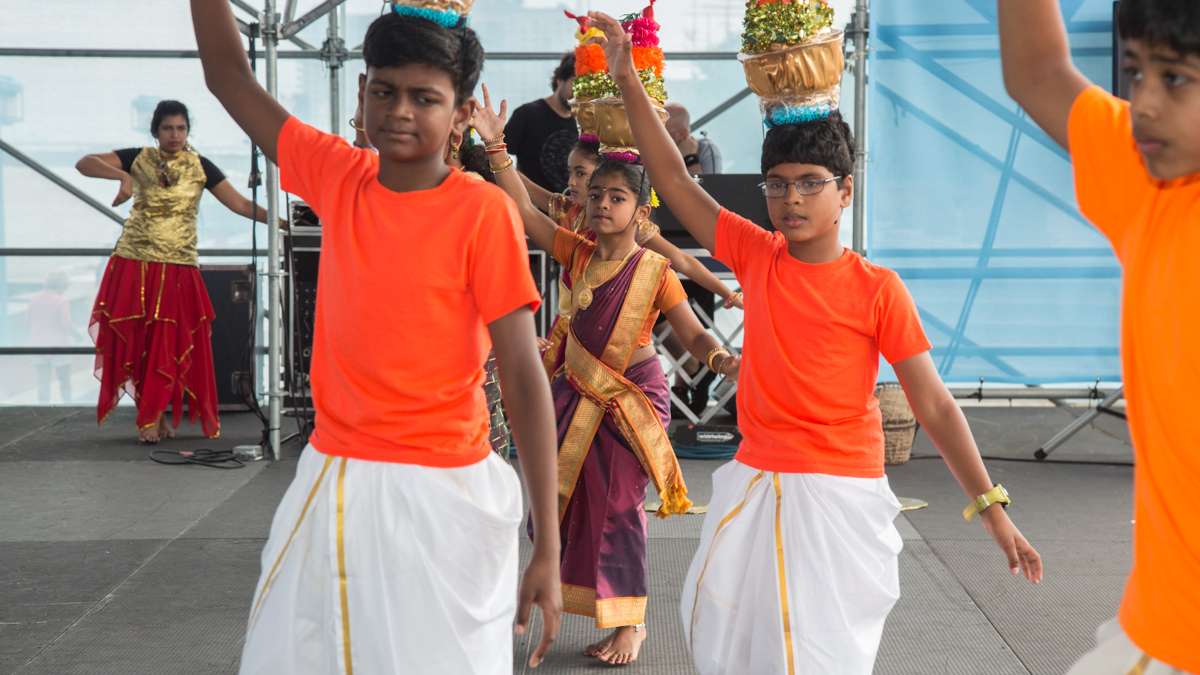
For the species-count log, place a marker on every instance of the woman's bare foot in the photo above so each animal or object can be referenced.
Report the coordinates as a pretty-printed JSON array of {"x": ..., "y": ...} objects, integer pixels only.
[
  {"x": 596, "y": 648},
  {"x": 625, "y": 646},
  {"x": 164, "y": 428},
  {"x": 149, "y": 435}
]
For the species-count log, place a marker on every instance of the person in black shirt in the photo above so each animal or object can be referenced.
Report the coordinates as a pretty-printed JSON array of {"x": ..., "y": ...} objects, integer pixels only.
[{"x": 541, "y": 133}]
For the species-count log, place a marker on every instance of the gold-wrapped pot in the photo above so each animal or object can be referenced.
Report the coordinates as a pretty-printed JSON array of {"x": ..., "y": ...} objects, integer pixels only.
[
  {"x": 798, "y": 71},
  {"x": 612, "y": 122},
  {"x": 585, "y": 117}
]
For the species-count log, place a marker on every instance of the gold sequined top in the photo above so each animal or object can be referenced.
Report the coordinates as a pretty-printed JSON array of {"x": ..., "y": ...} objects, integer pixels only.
[{"x": 162, "y": 225}]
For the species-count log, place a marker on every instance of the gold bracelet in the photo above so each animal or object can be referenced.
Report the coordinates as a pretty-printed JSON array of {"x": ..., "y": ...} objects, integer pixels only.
[
  {"x": 493, "y": 142},
  {"x": 712, "y": 355},
  {"x": 503, "y": 167}
]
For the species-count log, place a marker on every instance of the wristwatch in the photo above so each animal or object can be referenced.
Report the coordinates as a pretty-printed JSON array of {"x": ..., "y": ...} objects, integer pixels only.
[{"x": 997, "y": 495}]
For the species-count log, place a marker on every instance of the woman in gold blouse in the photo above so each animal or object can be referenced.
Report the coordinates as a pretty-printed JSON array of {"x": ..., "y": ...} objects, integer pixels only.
[{"x": 152, "y": 321}]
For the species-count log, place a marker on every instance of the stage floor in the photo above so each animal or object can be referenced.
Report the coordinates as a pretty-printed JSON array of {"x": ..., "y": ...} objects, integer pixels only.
[{"x": 110, "y": 563}]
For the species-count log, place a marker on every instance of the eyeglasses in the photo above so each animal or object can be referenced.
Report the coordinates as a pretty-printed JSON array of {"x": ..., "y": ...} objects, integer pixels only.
[{"x": 775, "y": 189}]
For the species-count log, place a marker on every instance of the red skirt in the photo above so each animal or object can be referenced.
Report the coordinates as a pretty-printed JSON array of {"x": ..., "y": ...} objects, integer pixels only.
[{"x": 152, "y": 325}]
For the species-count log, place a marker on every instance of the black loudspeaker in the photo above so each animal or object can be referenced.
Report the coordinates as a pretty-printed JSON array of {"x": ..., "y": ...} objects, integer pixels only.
[
  {"x": 231, "y": 289},
  {"x": 738, "y": 192}
]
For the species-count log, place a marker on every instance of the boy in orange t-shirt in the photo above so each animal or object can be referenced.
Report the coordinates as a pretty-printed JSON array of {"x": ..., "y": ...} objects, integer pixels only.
[
  {"x": 1137, "y": 178},
  {"x": 393, "y": 550},
  {"x": 797, "y": 568}
]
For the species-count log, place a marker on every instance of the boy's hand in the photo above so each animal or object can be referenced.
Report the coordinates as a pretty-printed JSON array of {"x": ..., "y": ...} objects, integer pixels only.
[
  {"x": 488, "y": 122},
  {"x": 1022, "y": 557},
  {"x": 618, "y": 46},
  {"x": 541, "y": 586}
]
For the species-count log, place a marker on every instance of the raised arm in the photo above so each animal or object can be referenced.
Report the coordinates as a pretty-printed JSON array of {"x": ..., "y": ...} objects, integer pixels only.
[
  {"x": 538, "y": 195},
  {"x": 687, "y": 265},
  {"x": 228, "y": 76},
  {"x": 699, "y": 342},
  {"x": 107, "y": 165},
  {"x": 490, "y": 125},
  {"x": 694, "y": 208},
  {"x": 1038, "y": 72},
  {"x": 235, "y": 201}
]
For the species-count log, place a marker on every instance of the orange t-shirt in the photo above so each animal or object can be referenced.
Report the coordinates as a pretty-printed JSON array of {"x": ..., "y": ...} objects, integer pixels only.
[
  {"x": 408, "y": 282},
  {"x": 574, "y": 251},
  {"x": 1154, "y": 227},
  {"x": 810, "y": 355}
]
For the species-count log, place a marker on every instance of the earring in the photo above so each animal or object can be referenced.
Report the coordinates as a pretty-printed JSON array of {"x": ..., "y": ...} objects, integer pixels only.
[
  {"x": 454, "y": 150},
  {"x": 354, "y": 125}
]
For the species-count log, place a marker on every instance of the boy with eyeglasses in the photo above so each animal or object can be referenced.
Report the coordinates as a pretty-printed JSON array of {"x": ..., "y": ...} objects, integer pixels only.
[{"x": 797, "y": 567}]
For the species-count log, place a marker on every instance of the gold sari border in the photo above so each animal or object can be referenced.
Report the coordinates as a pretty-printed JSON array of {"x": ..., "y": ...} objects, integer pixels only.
[{"x": 608, "y": 612}]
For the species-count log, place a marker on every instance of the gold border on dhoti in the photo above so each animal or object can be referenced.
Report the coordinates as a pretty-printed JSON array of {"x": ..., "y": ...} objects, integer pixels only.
[
  {"x": 712, "y": 546},
  {"x": 343, "y": 591},
  {"x": 785, "y": 614},
  {"x": 312, "y": 493}
]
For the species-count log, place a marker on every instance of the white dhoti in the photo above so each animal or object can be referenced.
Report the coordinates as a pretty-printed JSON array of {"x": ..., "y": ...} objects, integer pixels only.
[
  {"x": 1116, "y": 654},
  {"x": 795, "y": 573},
  {"x": 374, "y": 567}
]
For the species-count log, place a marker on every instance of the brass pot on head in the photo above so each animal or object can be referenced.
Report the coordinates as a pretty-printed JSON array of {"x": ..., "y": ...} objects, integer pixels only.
[
  {"x": 612, "y": 122},
  {"x": 798, "y": 71}
]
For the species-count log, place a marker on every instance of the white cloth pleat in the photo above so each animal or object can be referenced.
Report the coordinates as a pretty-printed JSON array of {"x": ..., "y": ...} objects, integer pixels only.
[
  {"x": 429, "y": 565},
  {"x": 1116, "y": 654},
  {"x": 839, "y": 549}
]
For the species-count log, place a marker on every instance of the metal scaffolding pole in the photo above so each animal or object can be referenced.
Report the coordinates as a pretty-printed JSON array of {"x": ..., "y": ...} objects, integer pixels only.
[
  {"x": 860, "y": 26},
  {"x": 270, "y": 34},
  {"x": 334, "y": 54},
  {"x": 60, "y": 182}
]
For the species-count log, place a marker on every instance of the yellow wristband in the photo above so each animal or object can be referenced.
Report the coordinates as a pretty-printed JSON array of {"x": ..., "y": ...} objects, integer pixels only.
[{"x": 997, "y": 495}]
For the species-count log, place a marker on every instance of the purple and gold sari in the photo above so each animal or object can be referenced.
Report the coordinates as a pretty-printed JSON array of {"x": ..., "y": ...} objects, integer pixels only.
[{"x": 612, "y": 420}]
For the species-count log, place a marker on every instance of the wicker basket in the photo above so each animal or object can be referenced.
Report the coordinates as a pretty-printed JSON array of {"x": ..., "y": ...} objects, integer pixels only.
[{"x": 899, "y": 424}]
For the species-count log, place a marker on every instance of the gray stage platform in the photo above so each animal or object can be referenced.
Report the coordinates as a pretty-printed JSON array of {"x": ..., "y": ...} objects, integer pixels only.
[{"x": 112, "y": 564}]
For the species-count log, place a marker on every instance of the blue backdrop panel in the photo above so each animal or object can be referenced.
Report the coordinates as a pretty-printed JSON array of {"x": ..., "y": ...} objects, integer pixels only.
[{"x": 974, "y": 206}]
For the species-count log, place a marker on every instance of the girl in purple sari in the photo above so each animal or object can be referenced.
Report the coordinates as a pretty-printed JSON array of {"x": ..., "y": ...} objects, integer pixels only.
[{"x": 611, "y": 396}]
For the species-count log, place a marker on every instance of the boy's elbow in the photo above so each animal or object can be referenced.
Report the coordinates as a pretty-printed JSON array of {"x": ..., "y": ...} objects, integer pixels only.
[{"x": 1017, "y": 78}]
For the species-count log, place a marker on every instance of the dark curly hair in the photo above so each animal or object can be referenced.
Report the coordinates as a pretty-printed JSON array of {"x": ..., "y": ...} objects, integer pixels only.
[
  {"x": 166, "y": 109},
  {"x": 634, "y": 176},
  {"x": 564, "y": 71},
  {"x": 395, "y": 40},
  {"x": 474, "y": 158},
  {"x": 1167, "y": 23},
  {"x": 828, "y": 143}
]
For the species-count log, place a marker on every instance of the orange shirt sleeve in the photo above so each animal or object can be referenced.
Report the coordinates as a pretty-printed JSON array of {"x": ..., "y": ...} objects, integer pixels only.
[
  {"x": 739, "y": 240},
  {"x": 898, "y": 330},
  {"x": 498, "y": 262},
  {"x": 566, "y": 243},
  {"x": 670, "y": 292},
  {"x": 312, "y": 162},
  {"x": 1111, "y": 182}
]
